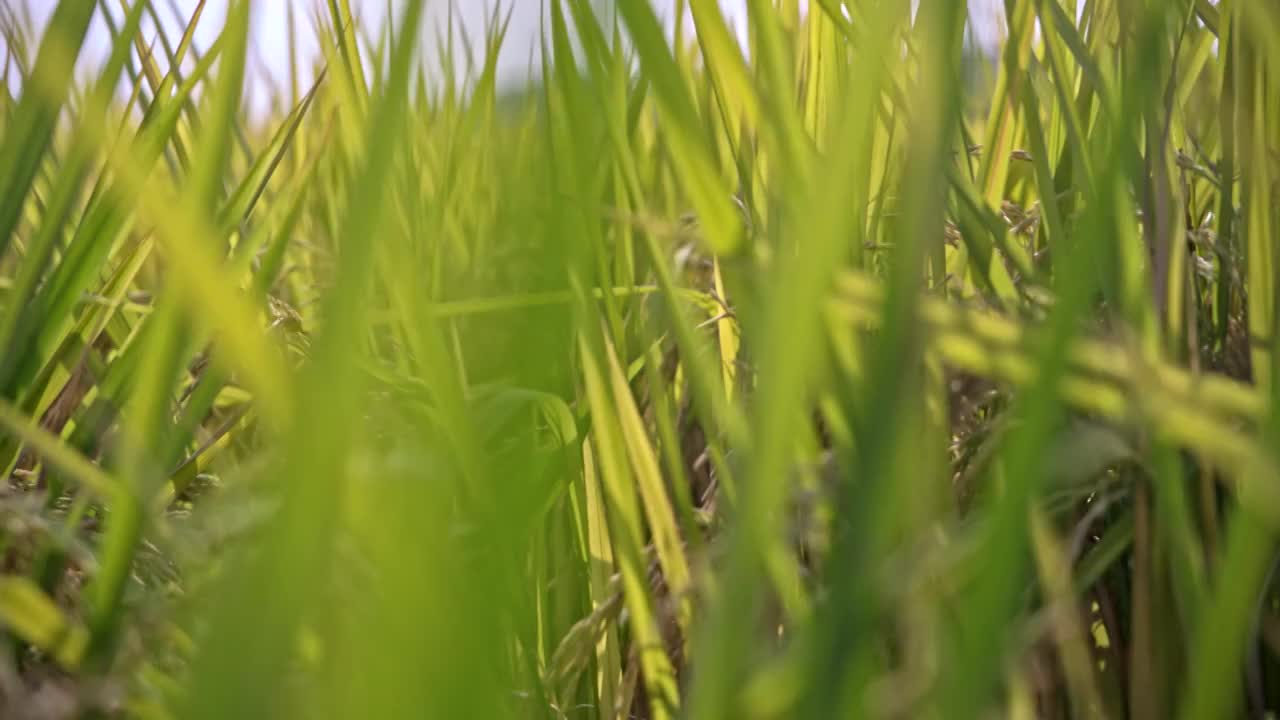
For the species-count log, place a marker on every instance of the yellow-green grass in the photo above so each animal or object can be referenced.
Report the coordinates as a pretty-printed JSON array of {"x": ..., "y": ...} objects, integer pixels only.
[{"x": 856, "y": 372}]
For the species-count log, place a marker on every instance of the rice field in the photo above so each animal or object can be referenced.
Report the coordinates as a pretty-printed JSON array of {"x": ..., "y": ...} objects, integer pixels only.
[{"x": 852, "y": 370}]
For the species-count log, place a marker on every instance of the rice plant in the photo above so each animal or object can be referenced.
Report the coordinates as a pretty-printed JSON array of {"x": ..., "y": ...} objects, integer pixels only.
[{"x": 850, "y": 370}]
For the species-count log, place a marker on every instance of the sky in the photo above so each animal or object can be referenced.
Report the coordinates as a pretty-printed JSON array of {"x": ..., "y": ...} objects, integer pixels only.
[{"x": 270, "y": 28}]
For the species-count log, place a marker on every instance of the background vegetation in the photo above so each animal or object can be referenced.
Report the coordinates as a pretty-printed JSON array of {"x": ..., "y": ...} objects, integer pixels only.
[{"x": 848, "y": 376}]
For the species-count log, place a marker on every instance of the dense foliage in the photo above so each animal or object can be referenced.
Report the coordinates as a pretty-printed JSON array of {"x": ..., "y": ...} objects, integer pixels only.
[{"x": 850, "y": 373}]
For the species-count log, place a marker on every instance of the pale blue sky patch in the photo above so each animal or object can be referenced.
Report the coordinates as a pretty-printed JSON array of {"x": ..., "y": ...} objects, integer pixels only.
[{"x": 270, "y": 42}]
